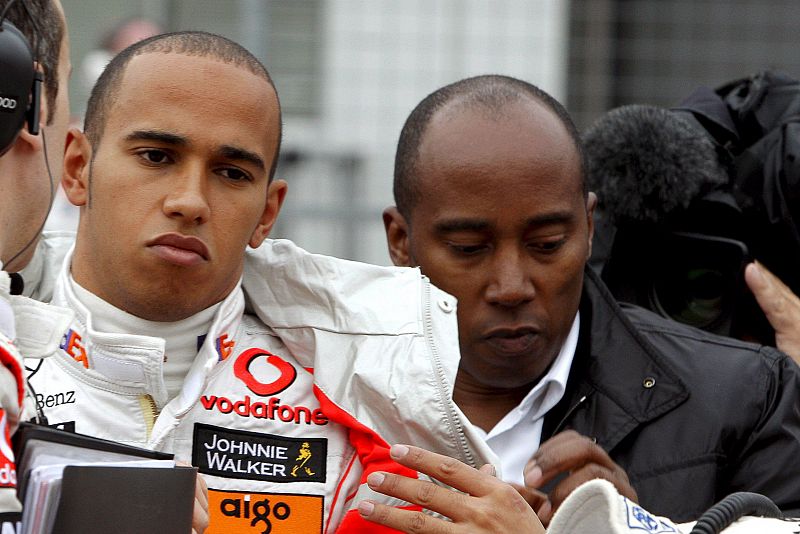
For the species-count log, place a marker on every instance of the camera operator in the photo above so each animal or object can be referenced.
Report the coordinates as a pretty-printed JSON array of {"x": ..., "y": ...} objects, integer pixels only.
[
  {"x": 689, "y": 197},
  {"x": 672, "y": 238}
]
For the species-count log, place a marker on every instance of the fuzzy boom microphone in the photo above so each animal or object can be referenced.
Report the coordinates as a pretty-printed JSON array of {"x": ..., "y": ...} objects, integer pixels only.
[{"x": 646, "y": 163}]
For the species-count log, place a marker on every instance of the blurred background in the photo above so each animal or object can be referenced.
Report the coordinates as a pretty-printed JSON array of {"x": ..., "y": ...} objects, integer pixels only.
[{"x": 349, "y": 72}]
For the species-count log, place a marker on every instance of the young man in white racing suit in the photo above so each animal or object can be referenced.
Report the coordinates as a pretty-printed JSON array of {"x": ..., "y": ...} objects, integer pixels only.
[{"x": 285, "y": 417}]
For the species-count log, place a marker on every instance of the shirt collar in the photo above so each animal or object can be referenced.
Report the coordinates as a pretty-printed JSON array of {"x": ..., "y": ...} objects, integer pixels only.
[
  {"x": 546, "y": 394},
  {"x": 550, "y": 388}
]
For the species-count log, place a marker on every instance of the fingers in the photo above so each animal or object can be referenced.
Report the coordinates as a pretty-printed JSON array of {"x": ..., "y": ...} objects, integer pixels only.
[
  {"x": 200, "y": 515},
  {"x": 404, "y": 520},
  {"x": 444, "y": 469},
  {"x": 582, "y": 460},
  {"x": 484, "y": 504},
  {"x": 534, "y": 498},
  {"x": 769, "y": 291},
  {"x": 538, "y": 501},
  {"x": 423, "y": 493},
  {"x": 545, "y": 513},
  {"x": 489, "y": 469},
  {"x": 563, "y": 453},
  {"x": 455, "y": 505},
  {"x": 201, "y": 492},
  {"x": 779, "y": 304},
  {"x": 590, "y": 472}
]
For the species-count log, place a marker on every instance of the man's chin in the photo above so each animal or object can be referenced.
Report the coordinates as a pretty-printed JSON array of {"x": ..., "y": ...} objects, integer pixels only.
[{"x": 512, "y": 370}]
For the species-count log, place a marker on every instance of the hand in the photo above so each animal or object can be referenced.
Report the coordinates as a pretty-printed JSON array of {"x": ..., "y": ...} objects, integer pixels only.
[
  {"x": 779, "y": 304},
  {"x": 200, "y": 512},
  {"x": 487, "y": 504},
  {"x": 539, "y": 501},
  {"x": 200, "y": 515},
  {"x": 581, "y": 459}
]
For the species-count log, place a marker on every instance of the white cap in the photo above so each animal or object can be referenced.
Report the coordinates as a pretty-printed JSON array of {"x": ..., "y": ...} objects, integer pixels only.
[{"x": 597, "y": 507}]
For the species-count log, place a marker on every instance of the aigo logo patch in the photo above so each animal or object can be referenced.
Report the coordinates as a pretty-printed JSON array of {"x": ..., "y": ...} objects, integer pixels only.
[
  {"x": 234, "y": 512},
  {"x": 242, "y": 370}
]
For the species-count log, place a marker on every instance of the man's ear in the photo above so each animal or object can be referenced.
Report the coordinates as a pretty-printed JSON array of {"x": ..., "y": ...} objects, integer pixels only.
[
  {"x": 77, "y": 163},
  {"x": 28, "y": 140},
  {"x": 275, "y": 196},
  {"x": 591, "y": 204},
  {"x": 396, "y": 228}
]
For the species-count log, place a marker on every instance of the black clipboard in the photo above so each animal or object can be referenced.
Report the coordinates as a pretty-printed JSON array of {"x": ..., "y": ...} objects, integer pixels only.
[
  {"x": 125, "y": 500},
  {"x": 81, "y": 448}
]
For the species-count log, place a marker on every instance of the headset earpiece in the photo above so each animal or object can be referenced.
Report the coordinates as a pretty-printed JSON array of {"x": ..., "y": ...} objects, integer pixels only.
[
  {"x": 16, "y": 85},
  {"x": 33, "y": 115}
]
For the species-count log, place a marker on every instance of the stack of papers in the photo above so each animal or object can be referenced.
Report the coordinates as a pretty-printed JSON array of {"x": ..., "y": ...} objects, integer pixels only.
[{"x": 74, "y": 483}]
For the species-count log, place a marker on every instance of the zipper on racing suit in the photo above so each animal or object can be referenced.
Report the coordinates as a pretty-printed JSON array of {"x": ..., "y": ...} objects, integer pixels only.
[{"x": 149, "y": 411}]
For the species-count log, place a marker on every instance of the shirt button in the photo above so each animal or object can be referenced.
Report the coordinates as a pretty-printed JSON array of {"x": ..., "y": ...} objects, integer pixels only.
[
  {"x": 648, "y": 382},
  {"x": 446, "y": 306}
]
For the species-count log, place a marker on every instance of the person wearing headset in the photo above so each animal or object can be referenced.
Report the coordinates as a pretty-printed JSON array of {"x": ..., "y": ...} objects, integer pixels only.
[
  {"x": 34, "y": 111},
  {"x": 34, "y": 60}
]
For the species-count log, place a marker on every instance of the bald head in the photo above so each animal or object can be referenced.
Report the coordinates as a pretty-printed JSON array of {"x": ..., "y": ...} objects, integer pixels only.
[{"x": 491, "y": 95}]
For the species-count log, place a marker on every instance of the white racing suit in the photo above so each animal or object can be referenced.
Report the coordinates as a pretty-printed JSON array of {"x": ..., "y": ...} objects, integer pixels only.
[
  {"x": 31, "y": 328},
  {"x": 11, "y": 401},
  {"x": 285, "y": 416}
]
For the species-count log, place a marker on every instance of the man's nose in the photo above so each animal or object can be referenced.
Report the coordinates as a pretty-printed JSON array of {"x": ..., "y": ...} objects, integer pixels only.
[
  {"x": 511, "y": 283},
  {"x": 188, "y": 197}
]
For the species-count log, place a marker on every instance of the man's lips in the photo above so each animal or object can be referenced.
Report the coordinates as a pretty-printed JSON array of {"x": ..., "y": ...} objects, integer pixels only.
[
  {"x": 512, "y": 341},
  {"x": 183, "y": 250}
]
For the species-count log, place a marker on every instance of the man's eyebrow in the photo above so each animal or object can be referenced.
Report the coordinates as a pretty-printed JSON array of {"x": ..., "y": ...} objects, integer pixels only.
[
  {"x": 481, "y": 225},
  {"x": 240, "y": 154},
  {"x": 556, "y": 217},
  {"x": 157, "y": 135},
  {"x": 461, "y": 225}
]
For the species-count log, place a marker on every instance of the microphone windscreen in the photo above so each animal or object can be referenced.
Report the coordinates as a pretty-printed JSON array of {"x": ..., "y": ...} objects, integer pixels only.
[{"x": 645, "y": 163}]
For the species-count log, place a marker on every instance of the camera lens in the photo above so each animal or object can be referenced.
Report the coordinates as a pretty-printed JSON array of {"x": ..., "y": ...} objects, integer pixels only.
[{"x": 693, "y": 295}]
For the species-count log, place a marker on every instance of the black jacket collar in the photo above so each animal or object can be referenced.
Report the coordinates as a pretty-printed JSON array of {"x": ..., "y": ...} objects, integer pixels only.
[{"x": 618, "y": 379}]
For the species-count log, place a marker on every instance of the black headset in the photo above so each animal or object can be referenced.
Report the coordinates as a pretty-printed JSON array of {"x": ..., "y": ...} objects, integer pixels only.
[
  {"x": 20, "y": 95},
  {"x": 20, "y": 84}
]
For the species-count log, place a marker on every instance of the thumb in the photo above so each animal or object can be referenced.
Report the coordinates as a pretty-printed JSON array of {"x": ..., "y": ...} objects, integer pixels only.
[
  {"x": 779, "y": 304},
  {"x": 489, "y": 469},
  {"x": 773, "y": 296},
  {"x": 535, "y": 498},
  {"x": 755, "y": 279}
]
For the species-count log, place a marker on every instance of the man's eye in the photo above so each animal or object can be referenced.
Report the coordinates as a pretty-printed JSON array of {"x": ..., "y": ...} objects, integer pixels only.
[
  {"x": 154, "y": 156},
  {"x": 467, "y": 250},
  {"x": 234, "y": 174},
  {"x": 548, "y": 246}
]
